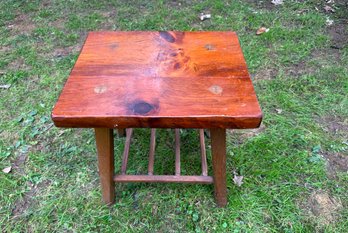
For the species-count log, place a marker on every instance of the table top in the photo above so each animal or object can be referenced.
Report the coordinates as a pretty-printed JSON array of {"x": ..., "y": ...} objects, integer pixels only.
[{"x": 161, "y": 80}]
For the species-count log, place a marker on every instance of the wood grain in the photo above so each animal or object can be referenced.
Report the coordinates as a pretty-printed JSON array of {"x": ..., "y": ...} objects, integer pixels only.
[
  {"x": 159, "y": 80},
  {"x": 218, "y": 150},
  {"x": 105, "y": 148}
]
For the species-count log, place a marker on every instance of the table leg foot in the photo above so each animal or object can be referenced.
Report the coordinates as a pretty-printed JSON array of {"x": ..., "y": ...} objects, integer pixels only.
[
  {"x": 218, "y": 147},
  {"x": 105, "y": 148}
]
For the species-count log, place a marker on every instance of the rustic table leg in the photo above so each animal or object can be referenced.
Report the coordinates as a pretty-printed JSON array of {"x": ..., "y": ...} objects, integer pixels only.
[
  {"x": 105, "y": 147},
  {"x": 218, "y": 147}
]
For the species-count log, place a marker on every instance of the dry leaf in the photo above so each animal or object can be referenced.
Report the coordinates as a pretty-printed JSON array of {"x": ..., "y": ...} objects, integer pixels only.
[
  {"x": 262, "y": 30},
  {"x": 6, "y": 86},
  {"x": 329, "y": 9},
  {"x": 277, "y": 2},
  {"x": 7, "y": 169},
  {"x": 238, "y": 180},
  {"x": 204, "y": 16}
]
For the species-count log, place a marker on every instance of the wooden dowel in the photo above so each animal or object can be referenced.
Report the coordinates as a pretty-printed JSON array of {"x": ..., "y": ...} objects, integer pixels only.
[
  {"x": 129, "y": 133},
  {"x": 163, "y": 179},
  {"x": 203, "y": 153},
  {"x": 177, "y": 152},
  {"x": 152, "y": 151}
]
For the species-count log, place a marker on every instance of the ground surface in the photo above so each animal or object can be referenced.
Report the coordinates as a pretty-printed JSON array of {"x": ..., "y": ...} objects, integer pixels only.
[{"x": 294, "y": 166}]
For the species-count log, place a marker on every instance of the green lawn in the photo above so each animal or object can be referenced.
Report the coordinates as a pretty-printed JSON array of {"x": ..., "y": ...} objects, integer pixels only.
[{"x": 294, "y": 166}]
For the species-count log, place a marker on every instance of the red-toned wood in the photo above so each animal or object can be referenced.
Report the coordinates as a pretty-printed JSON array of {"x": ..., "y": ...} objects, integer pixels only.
[
  {"x": 203, "y": 153},
  {"x": 164, "y": 179},
  {"x": 177, "y": 152},
  {"x": 129, "y": 133},
  {"x": 159, "y": 80},
  {"x": 218, "y": 149},
  {"x": 152, "y": 151},
  {"x": 105, "y": 148}
]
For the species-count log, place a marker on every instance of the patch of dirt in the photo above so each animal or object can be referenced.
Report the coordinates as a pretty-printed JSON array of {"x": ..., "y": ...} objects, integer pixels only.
[
  {"x": 339, "y": 39},
  {"x": 18, "y": 64},
  {"x": 335, "y": 162},
  {"x": 339, "y": 35},
  {"x": 330, "y": 55},
  {"x": 323, "y": 209},
  {"x": 23, "y": 204},
  {"x": 335, "y": 125},
  {"x": 7, "y": 136},
  {"x": 63, "y": 52},
  {"x": 176, "y": 4},
  {"x": 338, "y": 30},
  {"x": 18, "y": 163},
  {"x": 244, "y": 134},
  {"x": 22, "y": 24},
  {"x": 338, "y": 127},
  {"x": 58, "y": 23},
  {"x": 265, "y": 73},
  {"x": 5, "y": 49},
  {"x": 262, "y": 4},
  {"x": 318, "y": 58},
  {"x": 108, "y": 22},
  {"x": 299, "y": 69}
]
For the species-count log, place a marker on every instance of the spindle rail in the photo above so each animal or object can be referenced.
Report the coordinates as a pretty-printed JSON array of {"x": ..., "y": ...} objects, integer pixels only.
[{"x": 177, "y": 178}]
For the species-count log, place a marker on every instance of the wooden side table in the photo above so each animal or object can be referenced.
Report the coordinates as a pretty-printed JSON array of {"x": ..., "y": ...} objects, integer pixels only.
[{"x": 125, "y": 80}]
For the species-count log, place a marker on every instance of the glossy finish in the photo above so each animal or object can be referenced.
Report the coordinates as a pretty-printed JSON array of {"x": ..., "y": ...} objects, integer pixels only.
[
  {"x": 159, "y": 80},
  {"x": 128, "y": 80}
]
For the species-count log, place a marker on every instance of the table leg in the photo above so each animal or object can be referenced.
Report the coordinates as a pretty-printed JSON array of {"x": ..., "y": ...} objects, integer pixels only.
[
  {"x": 218, "y": 147},
  {"x": 105, "y": 147}
]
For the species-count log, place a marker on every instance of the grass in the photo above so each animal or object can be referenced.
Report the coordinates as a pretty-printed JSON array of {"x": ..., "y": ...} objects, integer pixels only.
[{"x": 300, "y": 75}]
